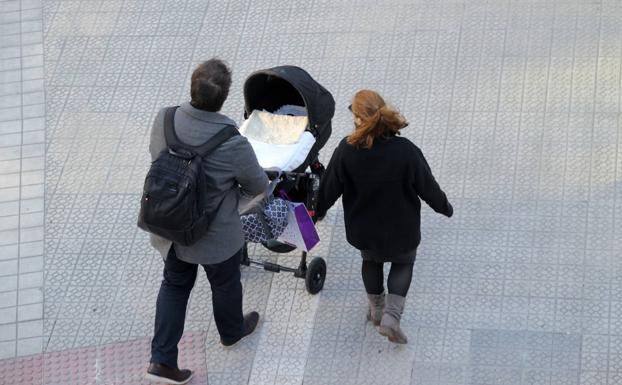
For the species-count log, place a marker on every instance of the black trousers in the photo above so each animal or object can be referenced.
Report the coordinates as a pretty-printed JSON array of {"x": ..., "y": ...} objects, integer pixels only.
[
  {"x": 179, "y": 277},
  {"x": 398, "y": 281}
]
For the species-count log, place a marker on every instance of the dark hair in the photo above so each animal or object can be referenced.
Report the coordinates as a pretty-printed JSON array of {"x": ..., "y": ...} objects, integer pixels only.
[{"x": 210, "y": 84}]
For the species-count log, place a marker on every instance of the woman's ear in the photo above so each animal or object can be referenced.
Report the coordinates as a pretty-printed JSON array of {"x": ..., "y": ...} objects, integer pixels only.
[{"x": 357, "y": 121}]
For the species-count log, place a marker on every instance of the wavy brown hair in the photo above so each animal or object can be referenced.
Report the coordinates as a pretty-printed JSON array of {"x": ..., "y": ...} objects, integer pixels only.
[{"x": 373, "y": 119}]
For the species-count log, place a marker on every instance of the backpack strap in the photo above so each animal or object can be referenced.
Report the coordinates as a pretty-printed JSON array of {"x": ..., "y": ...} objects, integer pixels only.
[
  {"x": 173, "y": 140},
  {"x": 169, "y": 128},
  {"x": 222, "y": 136}
]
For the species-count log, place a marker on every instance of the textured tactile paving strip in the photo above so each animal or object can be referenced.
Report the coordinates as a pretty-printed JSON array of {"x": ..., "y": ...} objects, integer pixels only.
[{"x": 112, "y": 364}]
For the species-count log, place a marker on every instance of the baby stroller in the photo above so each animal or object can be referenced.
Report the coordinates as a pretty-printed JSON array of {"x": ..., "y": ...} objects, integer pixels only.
[{"x": 290, "y": 91}]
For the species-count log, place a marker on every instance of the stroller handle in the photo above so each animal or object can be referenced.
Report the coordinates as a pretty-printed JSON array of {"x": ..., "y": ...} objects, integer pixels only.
[{"x": 273, "y": 174}]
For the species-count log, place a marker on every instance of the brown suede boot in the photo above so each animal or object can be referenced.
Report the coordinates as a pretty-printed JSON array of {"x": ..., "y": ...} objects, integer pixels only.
[
  {"x": 376, "y": 307},
  {"x": 390, "y": 323}
]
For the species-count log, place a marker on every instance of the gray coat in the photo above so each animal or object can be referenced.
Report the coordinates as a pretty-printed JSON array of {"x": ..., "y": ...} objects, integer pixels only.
[{"x": 231, "y": 169}]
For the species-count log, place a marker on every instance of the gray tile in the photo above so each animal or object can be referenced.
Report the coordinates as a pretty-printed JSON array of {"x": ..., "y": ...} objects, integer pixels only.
[
  {"x": 10, "y": 52},
  {"x": 8, "y": 299},
  {"x": 31, "y": 150},
  {"x": 36, "y": 97},
  {"x": 8, "y": 315},
  {"x": 30, "y": 329},
  {"x": 9, "y": 222},
  {"x": 33, "y": 111},
  {"x": 32, "y": 85},
  {"x": 10, "y": 166},
  {"x": 33, "y": 137},
  {"x": 8, "y": 267},
  {"x": 31, "y": 4},
  {"x": 10, "y": 180},
  {"x": 8, "y": 140},
  {"x": 9, "y": 101},
  {"x": 10, "y": 64},
  {"x": 10, "y": 127},
  {"x": 29, "y": 312},
  {"x": 8, "y": 283},
  {"x": 31, "y": 14},
  {"x": 8, "y": 237},
  {"x": 10, "y": 153},
  {"x": 31, "y": 234},
  {"x": 8, "y": 332},
  {"x": 33, "y": 191},
  {"x": 33, "y": 124},
  {"x": 31, "y": 26},
  {"x": 13, "y": 89},
  {"x": 31, "y": 38},
  {"x": 31, "y": 50},
  {"x": 9, "y": 252},
  {"x": 10, "y": 76},
  {"x": 30, "y": 280},
  {"x": 31, "y": 177},
  {"x": 31, "y": 220},
  {"x": 32, "y": 73},
  {"x": 32, "y": 61},
  {"x": 7, "y": 349},
  {"x": 10, "y": 194},
  {"x": 10, "y": 41},
  {"x": 31, "y": 206},
  {"x": 30, "y": 265},
  {"x": 30, "y": 164},
  {"x": 10, "y": 6},
  {"x": 9, "y": 16},
  {"x": 29, "y": 346},
  {"x": 30, "y": 296}
]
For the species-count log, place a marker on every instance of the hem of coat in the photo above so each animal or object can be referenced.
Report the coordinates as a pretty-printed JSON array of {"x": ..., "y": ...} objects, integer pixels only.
[
  {"x": 212, "y": 260},
  {"x": 163, "y": 246},
  {"x": 383, "y": 250}
]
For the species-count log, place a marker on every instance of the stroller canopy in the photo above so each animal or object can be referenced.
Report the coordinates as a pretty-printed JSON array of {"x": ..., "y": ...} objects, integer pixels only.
[{"x": 272, "y": 88}]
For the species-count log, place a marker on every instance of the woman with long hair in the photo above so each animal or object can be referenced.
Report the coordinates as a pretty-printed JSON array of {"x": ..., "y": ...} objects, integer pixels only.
[{"x": 381, "y": 177}]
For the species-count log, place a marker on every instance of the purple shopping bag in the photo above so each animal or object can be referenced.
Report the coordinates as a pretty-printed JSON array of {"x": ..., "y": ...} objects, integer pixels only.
[
  {"x": 307, "y": 227},
  {"x": 300, "y": 230}
]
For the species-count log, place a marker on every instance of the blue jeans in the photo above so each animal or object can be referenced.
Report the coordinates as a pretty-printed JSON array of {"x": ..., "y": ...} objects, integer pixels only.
[{"x": 179, "y": 277}]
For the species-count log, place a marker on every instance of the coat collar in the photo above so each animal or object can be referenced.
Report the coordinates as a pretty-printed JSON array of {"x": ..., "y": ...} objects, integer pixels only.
[{"x": 207, "y": 116}]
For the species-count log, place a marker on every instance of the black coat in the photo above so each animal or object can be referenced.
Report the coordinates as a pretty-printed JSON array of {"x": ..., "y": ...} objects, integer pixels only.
[{"x": 381, "y": 188}]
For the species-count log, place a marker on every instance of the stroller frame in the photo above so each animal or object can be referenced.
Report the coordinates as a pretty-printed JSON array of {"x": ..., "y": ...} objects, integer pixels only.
[{"x": 314, "y": 273}]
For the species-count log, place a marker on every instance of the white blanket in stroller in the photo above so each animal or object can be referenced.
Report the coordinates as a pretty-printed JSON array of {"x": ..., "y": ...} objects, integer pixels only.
[{"x": 279, "y": 141}]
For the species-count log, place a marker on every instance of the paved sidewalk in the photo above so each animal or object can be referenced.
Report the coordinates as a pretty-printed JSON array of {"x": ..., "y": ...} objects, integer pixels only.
[
  {"x": 516, "y": 104},
  {"x": 22, "y": 160}
]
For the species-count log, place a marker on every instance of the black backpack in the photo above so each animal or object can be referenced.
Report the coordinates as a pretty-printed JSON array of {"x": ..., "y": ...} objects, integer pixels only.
[{"x": 173, "y": 201}]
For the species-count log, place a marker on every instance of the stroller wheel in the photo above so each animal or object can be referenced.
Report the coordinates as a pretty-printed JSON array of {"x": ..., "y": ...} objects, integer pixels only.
[{"x": 316, "y": 273}]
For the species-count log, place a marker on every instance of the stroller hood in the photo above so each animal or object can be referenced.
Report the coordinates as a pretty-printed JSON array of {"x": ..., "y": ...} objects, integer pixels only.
[{"x": 272, "y": 88}]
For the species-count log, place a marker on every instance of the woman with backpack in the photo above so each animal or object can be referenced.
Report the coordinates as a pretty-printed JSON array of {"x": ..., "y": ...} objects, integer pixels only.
[{"x": 381, "y": 178}]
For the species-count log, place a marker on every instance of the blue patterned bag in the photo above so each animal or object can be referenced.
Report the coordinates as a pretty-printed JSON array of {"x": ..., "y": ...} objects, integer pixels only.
[
  {"x": 264, "y": 217},
  {"x": 276, "y": 216},
  {"x": 266, "y": 224}
]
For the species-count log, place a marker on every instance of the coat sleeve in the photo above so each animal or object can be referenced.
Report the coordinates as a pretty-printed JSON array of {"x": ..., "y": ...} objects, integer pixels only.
[
  {"x": 249, "y": 174},
  {"x": 157, "y": 141},
  {"x": 428, "y": 189},
  {"x": 331, "y": 185}
]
